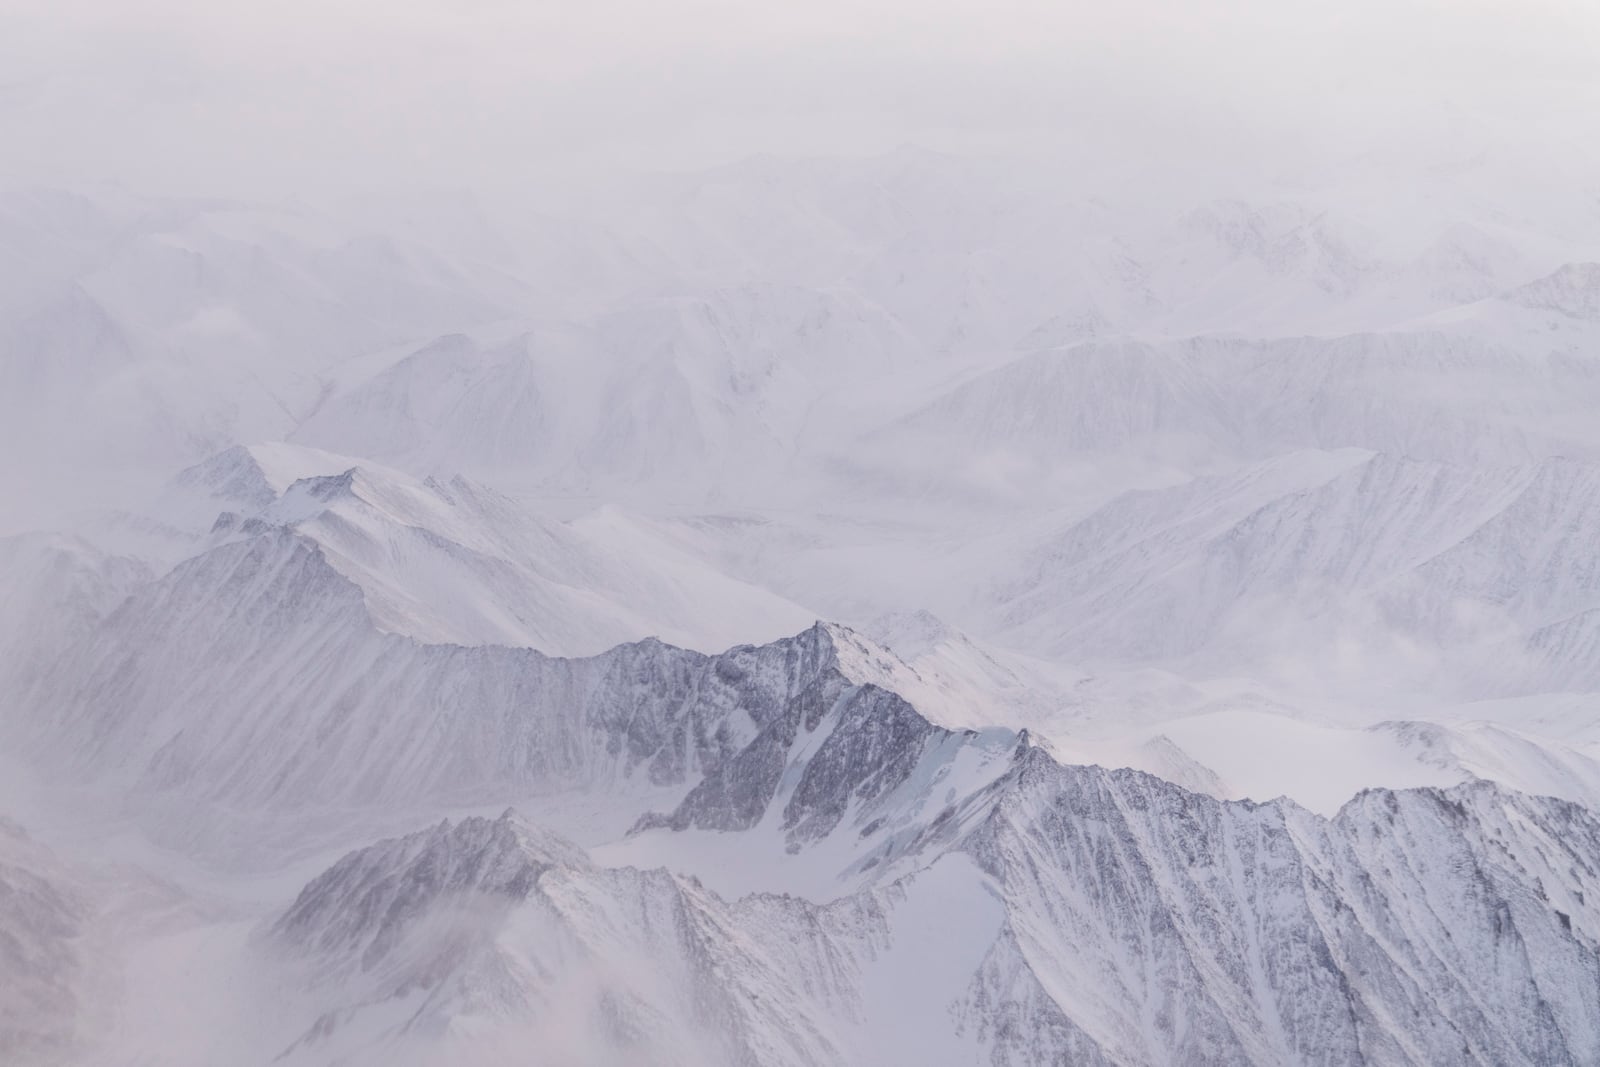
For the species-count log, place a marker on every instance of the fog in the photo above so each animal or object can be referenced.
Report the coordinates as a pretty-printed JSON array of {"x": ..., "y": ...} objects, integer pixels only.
[
  {"x": 801, "y": 457},
  {"x": 175, "y": 95}
]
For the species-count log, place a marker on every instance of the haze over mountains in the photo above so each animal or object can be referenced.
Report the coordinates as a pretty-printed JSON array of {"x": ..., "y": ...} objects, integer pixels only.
[{"x": 913, "y": 607}]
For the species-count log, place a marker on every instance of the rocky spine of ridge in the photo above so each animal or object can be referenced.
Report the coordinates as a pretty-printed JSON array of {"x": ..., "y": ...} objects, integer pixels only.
[
  {"x": 500, "y": 923},
  {"x": 338, "y": 692},
  {"x": 1142, "y": 925}
]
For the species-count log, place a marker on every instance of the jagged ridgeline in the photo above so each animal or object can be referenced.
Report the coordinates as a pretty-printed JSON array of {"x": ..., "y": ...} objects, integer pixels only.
[
  {"x": 968, "y": 896},
  {"x": 408, "y": 641}
]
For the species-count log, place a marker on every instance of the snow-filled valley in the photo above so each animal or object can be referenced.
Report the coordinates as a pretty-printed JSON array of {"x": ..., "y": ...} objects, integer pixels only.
[{"x": 894, "y": 609}]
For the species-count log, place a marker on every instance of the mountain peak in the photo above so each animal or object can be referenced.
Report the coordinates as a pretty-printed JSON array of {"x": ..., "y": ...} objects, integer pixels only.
[
  {"x": 362, "y": 905},
  {"x": 1573, "y": 290}
]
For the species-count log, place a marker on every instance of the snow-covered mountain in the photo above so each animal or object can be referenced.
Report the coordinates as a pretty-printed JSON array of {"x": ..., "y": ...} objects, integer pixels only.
[
  {"x": 58, "y": 587},
  {"x": 1208, "y": 665},
  {"x": 458, "y": 562},
  {"x": 666, "y": 388},
  {"x": 1104, "y": 917},
  {"x": 41, "y": 925}
]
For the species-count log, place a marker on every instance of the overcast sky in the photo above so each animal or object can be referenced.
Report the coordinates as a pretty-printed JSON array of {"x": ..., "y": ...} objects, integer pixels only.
[{"x": 224, "y": 96}]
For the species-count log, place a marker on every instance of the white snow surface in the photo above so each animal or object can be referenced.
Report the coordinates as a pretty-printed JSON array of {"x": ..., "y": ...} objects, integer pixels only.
[{"x": 1209, "y": 670}]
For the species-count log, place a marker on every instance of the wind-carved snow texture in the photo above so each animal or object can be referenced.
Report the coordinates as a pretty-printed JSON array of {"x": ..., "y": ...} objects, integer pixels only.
[
  {"x": 497, "y": 922},
  {"x": 413, "y": 724},
  {"x": 405, "y": 720},
  {"x": 1214, "y": 678},
  {"x": 1142, "y": 924},
  {"x": 1156, "y": 926},
  {"x": 454, "y": 561}
]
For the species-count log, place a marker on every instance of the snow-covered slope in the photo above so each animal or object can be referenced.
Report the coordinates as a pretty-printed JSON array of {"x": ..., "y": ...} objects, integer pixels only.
[
  {"x": 454, "y": 561},
  {"x": 1213, "y": 681},
  {"x": 1331, "y": 571},
  {"x": 322, "y": 685},
  {"x": 58, "y": 587},
  {"x": 1572, "y": 290},
  {"x": 1105, "y": 917},
  {"x": 413, "y": 727},
  {"x": 476, "y": 938},
  {"x": 697, "y": 390},
  {"x": 139, "y": 333},
  {"x": 1152, "y": 926},
  {"x": 43, "y": 912}
]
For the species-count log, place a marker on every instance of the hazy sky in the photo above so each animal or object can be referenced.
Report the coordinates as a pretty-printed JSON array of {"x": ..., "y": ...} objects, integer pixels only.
[{"x": 229, "y": 96}]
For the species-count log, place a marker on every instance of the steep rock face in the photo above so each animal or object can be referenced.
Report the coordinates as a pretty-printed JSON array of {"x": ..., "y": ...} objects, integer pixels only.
[
  {"x": 493, "y": 929},
  {"x": 451, "y": 561},
  {"x": 1140, "y": 925},
  {"x": 1149, "y": 925},
  {"x": 310, "y": 704},
  {"x": 362, "y": 904},
  {"x": 863, "y": 743}
]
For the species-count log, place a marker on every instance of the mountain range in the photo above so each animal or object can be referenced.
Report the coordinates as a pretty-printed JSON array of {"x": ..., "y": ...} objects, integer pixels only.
[{"x": 887, "y": 610}]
